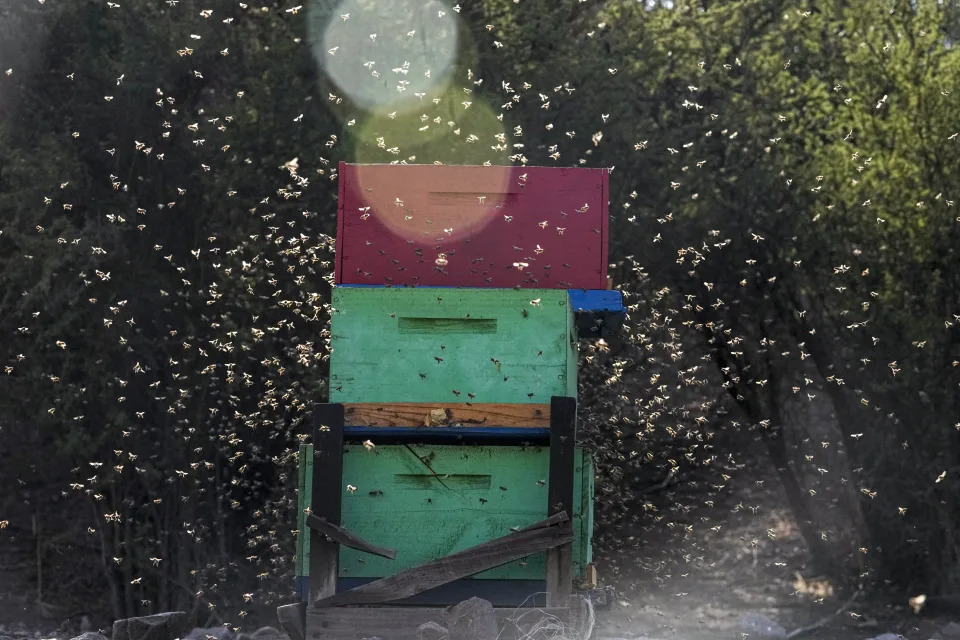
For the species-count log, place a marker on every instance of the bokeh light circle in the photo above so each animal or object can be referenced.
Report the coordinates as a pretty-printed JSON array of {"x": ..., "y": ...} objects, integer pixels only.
[
  {"x": 464, "y": 136},
  {"x": 380, "y": 53}
]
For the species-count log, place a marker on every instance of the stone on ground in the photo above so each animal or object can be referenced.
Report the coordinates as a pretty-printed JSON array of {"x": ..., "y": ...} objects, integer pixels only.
[
  {"x": 950, "y": 631},
  {"x": 161, "y": 626},
  {"x": 760, "y": 626},
  {"x": 209, "y": 633},
  {"x": 472, "y": 619},
  {"x": 432, "y": 631}
]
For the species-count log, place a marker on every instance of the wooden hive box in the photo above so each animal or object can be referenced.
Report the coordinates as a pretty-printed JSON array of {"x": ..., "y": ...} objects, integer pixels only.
[
  {"x": 429, "y": 225},
  {"x": 449, "y": 345},
  {"x": 390, "y": 499}
]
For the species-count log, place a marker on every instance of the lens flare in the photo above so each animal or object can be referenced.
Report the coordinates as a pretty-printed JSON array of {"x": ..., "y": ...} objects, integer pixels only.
[
  {"x": 451, "y": 135},
  {"x": 380, "y": 53}
]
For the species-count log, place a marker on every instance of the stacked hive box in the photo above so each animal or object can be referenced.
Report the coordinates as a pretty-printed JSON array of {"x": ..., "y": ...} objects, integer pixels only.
[{"x": 452, "y": 310}]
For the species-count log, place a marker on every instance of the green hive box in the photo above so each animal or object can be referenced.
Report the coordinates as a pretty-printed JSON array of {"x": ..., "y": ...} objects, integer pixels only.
[
  {"x": 485, "y": 491},
  {"x": 431, "y": 344}
]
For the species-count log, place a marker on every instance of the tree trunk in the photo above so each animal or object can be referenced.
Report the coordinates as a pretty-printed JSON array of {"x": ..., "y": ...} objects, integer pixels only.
[
  {"x": 108, "y": 572},
  {"x": 823, "y": 559},
  {"x": 799, "y": 502}
]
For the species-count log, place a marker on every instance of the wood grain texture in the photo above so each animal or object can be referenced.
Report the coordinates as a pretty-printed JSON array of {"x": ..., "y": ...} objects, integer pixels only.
[
  {"x": 401, "y": 623},
  {"x": 499, "y": 593},
  {"x": 563, "y": 434},
  {"x": 399, "y": 503},
  {"x": 435, "y": 414},
  {"x": 468, "y": 562},
  {"x": 292, "y": 619},
  {"x": 395, "y": 221},
  {"x": 304, "y": 502},
  {"x": 552, "y": 519},
  {"x": 583, "y": 491},
  {"x": 326, "y": 490},
  {"x": 531, "y": 357},
  {"x": 343, "y": 537}
]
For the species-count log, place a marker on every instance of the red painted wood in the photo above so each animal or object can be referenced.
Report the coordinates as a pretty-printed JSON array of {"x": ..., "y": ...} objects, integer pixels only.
[
  {"x": 605, "y": 244},
  {"x": 472, "y": 226},
  {"x": 340, "y": 197}
]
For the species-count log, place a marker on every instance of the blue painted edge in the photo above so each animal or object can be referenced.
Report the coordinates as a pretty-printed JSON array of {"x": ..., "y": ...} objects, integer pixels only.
[
  {"x": 596, "y": 300},
  {"x": 582, "y": 300},
  {"x": 500, "y": 593},
  {"x": 302, "y": 587},
  {"x": 447, "y": 433}
]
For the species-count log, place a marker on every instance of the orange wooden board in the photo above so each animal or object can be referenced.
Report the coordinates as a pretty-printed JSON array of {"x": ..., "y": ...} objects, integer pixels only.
[{"x": 437, "y": 414}]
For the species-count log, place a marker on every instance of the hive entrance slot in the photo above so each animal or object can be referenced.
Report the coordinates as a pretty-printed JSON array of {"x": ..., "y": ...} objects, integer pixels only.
[
  {"x": 453, "y": 480},
  {"x": 447, "y": 325}
]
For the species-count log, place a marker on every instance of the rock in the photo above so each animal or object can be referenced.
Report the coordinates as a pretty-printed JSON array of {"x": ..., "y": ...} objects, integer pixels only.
[
  {"x": 210, "y": 633},
  {"x": 887, "y": 636},
  {"x": 472, "y": 619},
  {"x": 950, "y": 631},
  {"x": 432, "y": 631},
  {"x": 760, "y": 626},
  {"x": 90, "y": 635},
  {"x": 268, "y": 633},
  {"x": 161, "y": 626}
]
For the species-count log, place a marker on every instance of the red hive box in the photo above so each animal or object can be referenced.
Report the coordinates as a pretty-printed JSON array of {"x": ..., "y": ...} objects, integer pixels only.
[{"x": 472, "y": 226}]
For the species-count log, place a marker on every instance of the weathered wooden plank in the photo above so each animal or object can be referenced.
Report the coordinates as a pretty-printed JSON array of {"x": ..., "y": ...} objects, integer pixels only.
[
  {"x": 589, "y": 580},
  {"x": 436, "y": 414},
  {"x": 326, "y": 496},
  {"x": 445, "y": 225},
  {"x": 531, "y": 356},
  {"x": 342, "y": 536},
  {"x": 292, "y": 619},
  {"x": 584, "y": 492},
  {"x": 304, "y": 502},
  {"x": 482, "y": 492},
  {"x": 456, "y": 566},
  {"x": 563, "y": 433},
  {"x": 499, "y": 593},
  {"x": 401, "y": 623},
  {"x": 550, "y": 520}
]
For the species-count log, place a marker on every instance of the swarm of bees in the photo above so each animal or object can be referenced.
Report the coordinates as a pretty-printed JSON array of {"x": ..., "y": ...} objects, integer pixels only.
[{"x": 205, "y": 341}]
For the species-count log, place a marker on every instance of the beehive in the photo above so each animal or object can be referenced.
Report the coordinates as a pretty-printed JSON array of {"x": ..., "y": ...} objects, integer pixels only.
[
  {"x": 467, "y": 496},
  {"x": 446, "y": 345},
  {"x": 502, "y": 227}
]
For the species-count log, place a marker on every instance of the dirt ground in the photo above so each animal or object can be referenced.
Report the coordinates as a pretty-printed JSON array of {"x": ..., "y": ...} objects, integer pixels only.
[
  {"x": 696, "y": 590},
  {"x": 736, "y": 571},
  {"x": 708, "y": 604}
]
